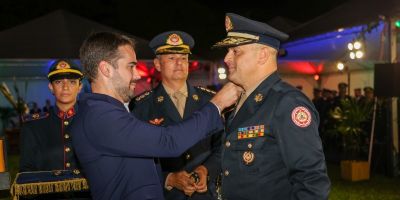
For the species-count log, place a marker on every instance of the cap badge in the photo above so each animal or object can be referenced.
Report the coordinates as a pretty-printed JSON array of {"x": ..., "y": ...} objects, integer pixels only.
[
  {"x": 174, "y": 39},
  {"x": 258, "y": 97},
  {"x": 228, "y": 24},
  {"x": 160, "y": 99},
  {"x": 248, "y": 157},
  {"x": 301, "y": 116},
  {"x": 63, "y": 65},
  {"x": 195, "y": 97}
]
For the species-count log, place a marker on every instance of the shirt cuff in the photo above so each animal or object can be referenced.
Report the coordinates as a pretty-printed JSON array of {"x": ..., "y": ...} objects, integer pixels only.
[
  {"x": 167, "y": 187},
  {"x": 219, "y": 110}
]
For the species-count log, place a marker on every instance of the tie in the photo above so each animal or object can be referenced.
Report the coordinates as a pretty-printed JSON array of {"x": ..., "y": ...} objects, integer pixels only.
[
  {"x": 243, "y": 98},
  {"x": 179, "y": 101}
]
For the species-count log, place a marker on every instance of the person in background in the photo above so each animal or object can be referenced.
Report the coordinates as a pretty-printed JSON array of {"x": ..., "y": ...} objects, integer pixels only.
[
  {"x": 357, "y": 94},
  {"x": 47, "y": 106},
  {"x": 173, "y": 101},
  {"x": 272, "y": 149}
]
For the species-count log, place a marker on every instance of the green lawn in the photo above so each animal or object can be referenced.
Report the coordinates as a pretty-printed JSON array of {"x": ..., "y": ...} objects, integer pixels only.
[{"x": 377, "y": 188}]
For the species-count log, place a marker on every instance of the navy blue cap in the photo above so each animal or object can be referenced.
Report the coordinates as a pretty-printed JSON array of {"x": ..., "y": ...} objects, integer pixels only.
[
  {"x": 175, "y": 42},
  {"x": 242, "y": 31},
  {"x": 61, "y": 69}
]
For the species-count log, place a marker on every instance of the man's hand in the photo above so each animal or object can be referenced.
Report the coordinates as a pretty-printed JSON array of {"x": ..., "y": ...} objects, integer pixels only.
[
  {"x": 181, "y": 180},
  {"x": 227, "y": 96},
  {"x": 201, "y": 186}
]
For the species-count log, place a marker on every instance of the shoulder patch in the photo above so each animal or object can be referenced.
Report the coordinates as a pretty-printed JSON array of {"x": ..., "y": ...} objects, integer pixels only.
[
  {"x": 301, "y": 117},
  {"x": 143, "y": 96},
  {"x": 33, "y": 117},
  {"x": 206, "y": 90}
]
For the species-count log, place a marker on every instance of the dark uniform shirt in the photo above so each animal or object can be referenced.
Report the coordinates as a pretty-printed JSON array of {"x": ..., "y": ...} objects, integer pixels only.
[
  {"x": 45, "y": 141},
  {"x": 156, "y": 107},
  {"x": 116, "y": 149},
  {"x": 272, "y": 149}
]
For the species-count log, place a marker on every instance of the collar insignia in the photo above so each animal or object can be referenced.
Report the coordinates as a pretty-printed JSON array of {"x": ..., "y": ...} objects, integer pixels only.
[
  {"x": 160, "y": 99},
  {"x": 258, "y": 97},
  {"x": 195, "y": 97}
]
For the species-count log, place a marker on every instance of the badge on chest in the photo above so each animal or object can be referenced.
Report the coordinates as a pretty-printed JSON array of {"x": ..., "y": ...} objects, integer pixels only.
[{"x": 250, "y": 132}]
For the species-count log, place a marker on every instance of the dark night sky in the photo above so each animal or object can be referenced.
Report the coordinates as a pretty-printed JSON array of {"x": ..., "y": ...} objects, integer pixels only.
[{"x": 203, "y": 19}]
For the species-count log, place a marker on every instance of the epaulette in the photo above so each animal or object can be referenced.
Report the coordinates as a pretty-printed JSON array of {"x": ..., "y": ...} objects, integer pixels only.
[
  {"x": 35, "y": 116},
  {"x": 143, "y": 95},
  {"x": 206, "y": 90}
]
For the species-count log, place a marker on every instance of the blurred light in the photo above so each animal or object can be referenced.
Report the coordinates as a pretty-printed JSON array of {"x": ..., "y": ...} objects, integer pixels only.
[
  {"x": 221, "y": 70},
  {"x": 352, "y": 55},
  {"x": 359, "y": 54},
  {"x": 357, "y": 45},
  {"x": 340, "y": 66},
  {"x": 195, "y": 63},
  {"x": 222, "y": 76},
  {"x": 350, "y": 46},
  {"x": 316, "y": 77},
  {"x": 397, "y": 23}
]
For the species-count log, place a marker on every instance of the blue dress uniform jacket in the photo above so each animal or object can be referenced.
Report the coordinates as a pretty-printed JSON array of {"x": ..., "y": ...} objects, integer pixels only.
[
  {"x": 272, "y": 147},
  {"x": 45, "y": 141},
  {"x": 157, "y": 105},
  {"x": 116, "y": 149}
]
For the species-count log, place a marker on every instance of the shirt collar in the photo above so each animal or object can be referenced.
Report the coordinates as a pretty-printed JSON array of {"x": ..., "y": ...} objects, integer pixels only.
[{"x": 170, "y": 91}]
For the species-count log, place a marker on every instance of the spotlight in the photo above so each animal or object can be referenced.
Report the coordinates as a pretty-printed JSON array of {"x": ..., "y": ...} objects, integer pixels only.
[
  {"x": 350, "y": 46},
  {"x": 221, "y": 70},
  {"x": 316, "y": 77},
  {"x": 340, "y": 66},
  {"x": 357, "y": 45},
  {"x": 359, "y": 54},
  {"x": 222, "y": 76},
  {"x": 352, "y": 55}
]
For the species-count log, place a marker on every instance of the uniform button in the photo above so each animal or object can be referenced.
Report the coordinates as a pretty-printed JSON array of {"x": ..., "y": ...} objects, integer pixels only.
[
  {"x": 66, "y": 136},
  {"x": 226, "y": 173},
  {"x": 67, "y": 149},
  {"x": 250, "y": 145},
  {"x": 187, "y": 156},
  {"x": 66, "y": 123},
  {"x": 227, "y": 144},
  {"x": 68, "y": 164}
]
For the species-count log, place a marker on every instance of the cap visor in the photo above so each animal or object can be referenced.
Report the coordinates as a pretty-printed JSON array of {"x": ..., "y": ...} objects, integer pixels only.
[{"x": 65, "y": 76}]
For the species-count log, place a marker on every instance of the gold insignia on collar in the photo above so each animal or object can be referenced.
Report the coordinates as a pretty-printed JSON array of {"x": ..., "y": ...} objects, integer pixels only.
[
  {"x": 160, "y": 99},
  {"x": 228, "y": 24},
  {"x": 258, "y": 97},
  {"x": 174, "y": 39},
  {"x": 63, "y": 65},
  {"x": 156, "y": 121},
  {"x": 195, "y": 97}
]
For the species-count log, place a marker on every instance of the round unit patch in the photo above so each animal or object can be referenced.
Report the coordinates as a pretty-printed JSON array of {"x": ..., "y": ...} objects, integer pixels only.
[
  {"x": 301, "y": 116},
  {"x": 248, "y": 157}
]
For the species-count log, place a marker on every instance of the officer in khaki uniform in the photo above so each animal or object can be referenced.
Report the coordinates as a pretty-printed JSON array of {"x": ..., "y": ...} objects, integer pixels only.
[
  {"x": 174, "y": 100},
  {"x": 272, "y": 148}
]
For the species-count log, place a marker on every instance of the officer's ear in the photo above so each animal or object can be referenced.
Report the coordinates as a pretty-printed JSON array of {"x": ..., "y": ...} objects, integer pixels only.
[
  {"x": 51, "y": 88},
  {"x": 105, "y": 68},
  {"x": 157, "y": 63},
  {"x": 263, "y": 54}
]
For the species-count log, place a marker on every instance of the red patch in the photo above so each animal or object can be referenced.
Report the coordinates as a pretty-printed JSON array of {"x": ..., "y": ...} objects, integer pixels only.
[{"x": 301, "y": 116}]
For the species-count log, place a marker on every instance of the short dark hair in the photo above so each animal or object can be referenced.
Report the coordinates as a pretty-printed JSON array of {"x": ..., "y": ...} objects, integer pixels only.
[{"x": 101, "y": 46}]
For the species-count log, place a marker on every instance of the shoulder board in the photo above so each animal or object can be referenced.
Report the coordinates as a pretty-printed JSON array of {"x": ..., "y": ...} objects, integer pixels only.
[
  {"x": 142, "y": 96},
  {"x": 206, "y": 90},
  {"x": 33, "y": 117}
]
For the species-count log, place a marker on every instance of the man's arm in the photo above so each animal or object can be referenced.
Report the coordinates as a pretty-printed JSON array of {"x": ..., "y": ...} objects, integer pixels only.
[{"x": 296, "y": 122}]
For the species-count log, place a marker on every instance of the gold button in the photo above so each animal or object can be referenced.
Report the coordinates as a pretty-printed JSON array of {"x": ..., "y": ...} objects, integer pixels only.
[
  {"x": 250, "y": 145},
  {"x": 68, "y": 164},
  {"x": 67, "y": 149},
  {"x": 227, "y": 144},
  {"x": 66, "y": 136},
  {"x": 187, "y": 156},
  {"x": 226, "y": 173},
  {"x": 66, "y": 123}
]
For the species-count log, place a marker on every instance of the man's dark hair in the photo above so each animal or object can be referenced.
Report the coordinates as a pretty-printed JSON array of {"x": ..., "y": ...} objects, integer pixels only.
[{"x": 101, "y": 46}]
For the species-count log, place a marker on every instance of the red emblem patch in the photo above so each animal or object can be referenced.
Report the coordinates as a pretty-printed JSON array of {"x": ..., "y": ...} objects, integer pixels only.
[{"x": 301, "y": 116}]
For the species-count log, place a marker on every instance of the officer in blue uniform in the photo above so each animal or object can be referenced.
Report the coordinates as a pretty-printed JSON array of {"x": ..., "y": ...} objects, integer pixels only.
[
  {"x": 272, "y": 148},
  {"x": 163, "y": 106},
  {"x": 115, "y": 149},
  {"x": 45, "y": 137}
]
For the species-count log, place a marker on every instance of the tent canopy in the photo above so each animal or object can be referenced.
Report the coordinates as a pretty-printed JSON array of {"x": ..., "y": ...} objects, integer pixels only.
[{"x": 58, "y": 34}]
